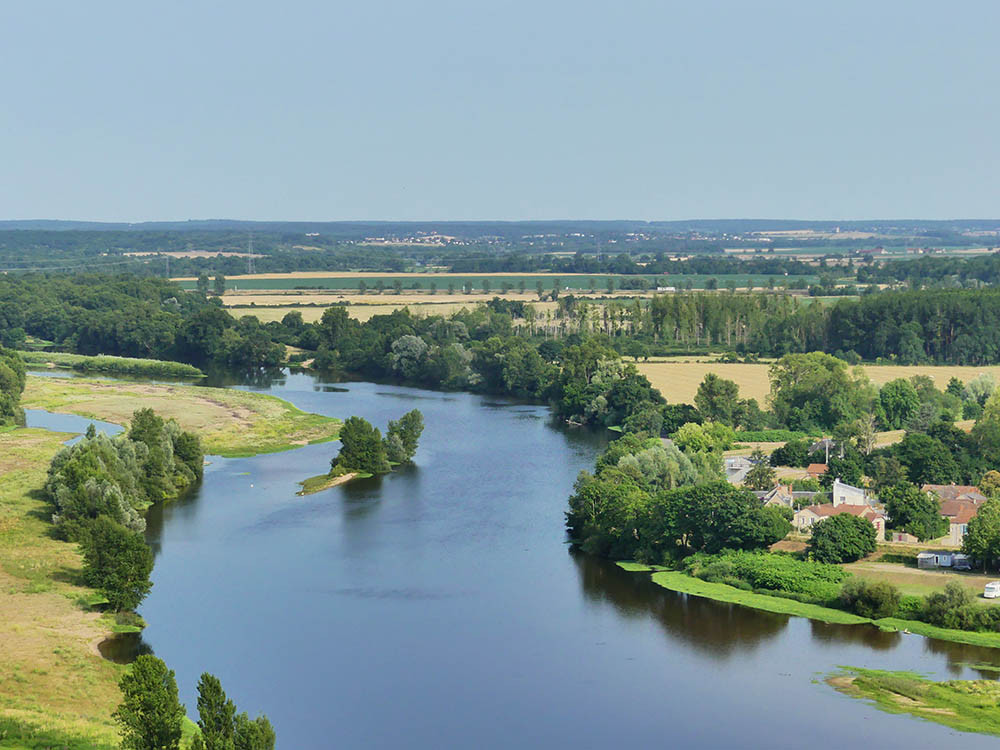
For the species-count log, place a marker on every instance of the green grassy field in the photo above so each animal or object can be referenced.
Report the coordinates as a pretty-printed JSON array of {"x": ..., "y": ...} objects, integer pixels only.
[
  {"x": 230, "y": 422},
  {"x": 55, "y": 689},
  {"x": 966, "y": 705}
]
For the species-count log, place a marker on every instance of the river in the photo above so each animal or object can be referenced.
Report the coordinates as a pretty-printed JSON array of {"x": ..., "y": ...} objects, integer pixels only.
[{"x": 439, "y": 607}]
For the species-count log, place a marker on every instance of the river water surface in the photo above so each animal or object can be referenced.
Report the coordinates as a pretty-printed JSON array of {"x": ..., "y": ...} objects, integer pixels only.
[{"x": 439, "y": 607}]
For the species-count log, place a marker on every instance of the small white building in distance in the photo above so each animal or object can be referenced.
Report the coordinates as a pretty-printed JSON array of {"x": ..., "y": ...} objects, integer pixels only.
[{"x": 846, "y": 494}]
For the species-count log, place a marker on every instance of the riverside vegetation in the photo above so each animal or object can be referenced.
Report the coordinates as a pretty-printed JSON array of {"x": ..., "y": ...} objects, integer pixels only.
[
  {"x": 97, "y": 488},
  {"x": 365, "y": 453}
]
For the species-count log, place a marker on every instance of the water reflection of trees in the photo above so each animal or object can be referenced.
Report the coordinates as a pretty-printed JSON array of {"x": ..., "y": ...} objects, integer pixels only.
[
  {"x": 707, "y": 625},
  {"x": 961, "y": 655},
  {"x": 866, "y": 635}
]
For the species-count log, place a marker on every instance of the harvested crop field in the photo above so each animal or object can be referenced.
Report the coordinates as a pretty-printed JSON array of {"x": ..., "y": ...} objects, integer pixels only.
[
  {"x": 367, "y": 311},
  {"x": 678, "y": 382}
]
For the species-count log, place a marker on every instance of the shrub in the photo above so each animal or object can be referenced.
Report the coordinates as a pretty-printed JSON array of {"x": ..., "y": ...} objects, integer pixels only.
[
  {"x": 910, "y": 607},
  {"x": 955, "y": 608},
  {"x": 875, "y": 599},
  {"x": 842, "y": 538},
  {"x": 798, "y": 579}
]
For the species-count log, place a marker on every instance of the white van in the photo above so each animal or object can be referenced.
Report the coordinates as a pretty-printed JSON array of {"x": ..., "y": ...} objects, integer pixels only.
[{"x": 992, "y": 590}]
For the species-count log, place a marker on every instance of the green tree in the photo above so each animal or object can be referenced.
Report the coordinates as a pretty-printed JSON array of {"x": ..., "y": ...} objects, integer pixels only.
[
  {"x": 117, "y": 562},
  {"x": 927, "y": 460},
  {"x": 899, "y": 401},
  {"x": 848, "y": 469},
  {"x": 989, "y": 484},
  {"x": 913, "y": 511},
  {"x": 955, "y": 387},
  {"x": 150, "y": 713},
  {"x": 982, "y": 541},
  {"x": 816, "y": 390},
  {"x": 401, "y": 437},
  {"x": 761, "y": 476},
  {"x": 362, "y": 448},
  {"x": 222, "y": 728},
  {"x": 842, "y": 538},
  {"x": 716, "y": 515},
  {"x": 874, "y": 599},
  {"x": 204, "y": 283},
  {"x": 12, "y": 381},
  {"x": 216, "y": 714},
  {"x": 717, "y": 398},
  {"x": 792, "y": 453},
  {"x": 253, "y": 734},
  {"x": 220, "y": 284}
]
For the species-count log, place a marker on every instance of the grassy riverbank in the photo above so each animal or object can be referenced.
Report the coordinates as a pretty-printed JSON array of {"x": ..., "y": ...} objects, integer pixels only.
[
  {"x": 153, "y": 368},
  {"x": 231, "y": 423},
  {"x": 55, "y": 688},
  {"x": 685, "y": 584},
  {"x": 966, "y": 705}
]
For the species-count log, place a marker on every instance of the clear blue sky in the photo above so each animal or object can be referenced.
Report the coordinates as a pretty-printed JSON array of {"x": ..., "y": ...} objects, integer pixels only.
[{"x": 129, "y": 111}]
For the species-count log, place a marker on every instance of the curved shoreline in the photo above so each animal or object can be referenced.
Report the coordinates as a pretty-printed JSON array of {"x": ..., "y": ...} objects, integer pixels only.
[{"x": 685, "y": 584}]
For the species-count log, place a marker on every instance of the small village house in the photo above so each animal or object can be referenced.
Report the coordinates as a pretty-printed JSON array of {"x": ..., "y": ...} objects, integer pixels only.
[
  {"x": 805, "y": 518},
  {"x": 816, "y": 470},
  {"x": 845, "y": 494}
]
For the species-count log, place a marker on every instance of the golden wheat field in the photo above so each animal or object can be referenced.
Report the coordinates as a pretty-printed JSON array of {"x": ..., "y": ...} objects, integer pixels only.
[
  {"x": 363, "y": 312},
  {"x": 678, "y": 381}
]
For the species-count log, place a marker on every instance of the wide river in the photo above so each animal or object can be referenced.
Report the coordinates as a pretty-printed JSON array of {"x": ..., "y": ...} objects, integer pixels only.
[{"x": 439, "y": 607}]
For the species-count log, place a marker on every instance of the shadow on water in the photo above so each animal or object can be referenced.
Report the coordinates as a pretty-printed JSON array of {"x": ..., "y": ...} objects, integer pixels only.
[
  {"x": 963, "y": 655},
  {"x": 123, "y": 648},
  {"x": 715, "y": 627}
]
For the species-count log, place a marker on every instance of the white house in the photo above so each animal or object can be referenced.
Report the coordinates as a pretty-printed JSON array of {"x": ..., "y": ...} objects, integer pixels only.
[
  {"x": 737, "y": 468},
  {"x": 846, "y": 494}
]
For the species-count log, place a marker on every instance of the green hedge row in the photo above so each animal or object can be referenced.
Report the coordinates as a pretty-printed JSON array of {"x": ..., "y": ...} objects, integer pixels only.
[{"x": 113, "y": 365}]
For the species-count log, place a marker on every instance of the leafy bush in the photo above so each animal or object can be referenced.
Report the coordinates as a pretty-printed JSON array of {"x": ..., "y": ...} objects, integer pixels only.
[
  {"x": 117, "y": 365},
  {"x": 807, "y": 581},
  {"x": 910, "y": 607},
  {"x": 955, "y": 608},
  {"x": 875, "y": 599}
]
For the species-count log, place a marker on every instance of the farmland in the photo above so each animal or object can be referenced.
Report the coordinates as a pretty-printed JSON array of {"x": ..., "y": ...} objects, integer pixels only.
[
  {"x": 422, "y": 281},
  {"x": 678, "y": 381}
]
